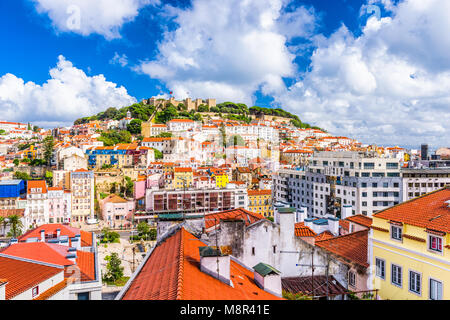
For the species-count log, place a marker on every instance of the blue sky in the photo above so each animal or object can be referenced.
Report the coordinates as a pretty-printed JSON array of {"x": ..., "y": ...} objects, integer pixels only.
[{"x": 334, "y": 63}]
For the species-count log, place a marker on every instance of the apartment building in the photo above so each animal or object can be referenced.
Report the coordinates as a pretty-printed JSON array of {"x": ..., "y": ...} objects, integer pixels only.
[
  {"x": 195, "y": 201},
  {"x": 409, "y": 249},
  {"x": 82, "y": 187},
  {"x": 337, "y": 179},
  {"x": 121, "y": 155},
  {"x": 12, "y": 192},
  {"x": 417, "y": 182},
  {"x": 59, "y": 205},
  {"x": 37, "y": 202},
  {"x": 260, "y": 201}
]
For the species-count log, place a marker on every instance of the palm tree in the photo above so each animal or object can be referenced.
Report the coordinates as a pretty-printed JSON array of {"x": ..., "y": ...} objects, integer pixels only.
[
  {"x": 16, "y": 225},
  {"x": 4, "y": 223}
]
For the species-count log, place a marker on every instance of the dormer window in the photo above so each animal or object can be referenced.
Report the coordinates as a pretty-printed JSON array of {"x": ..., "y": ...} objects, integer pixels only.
[
  {"x": 435, "y": 243},
  {"x": 396, "y": 233}
]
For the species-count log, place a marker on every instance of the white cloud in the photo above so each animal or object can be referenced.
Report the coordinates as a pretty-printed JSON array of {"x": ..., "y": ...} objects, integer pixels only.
[
  {"x": 86, "y": 17},
  {"x": 66, "y": 96},
  {"x": 228, "y": 49},
  {"x": 390, "y": 85},
  {"x": 119, "y": 59}
]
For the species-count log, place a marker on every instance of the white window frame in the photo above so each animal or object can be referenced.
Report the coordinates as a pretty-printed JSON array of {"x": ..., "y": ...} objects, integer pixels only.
[
  {"x": 392, "y": 275},
  {"x": 410, "y": 271},
  {"x": 33, "y": 291},
  {"x": 441, "y": 239},
  {"x": 429, "y": 288},
  {"x": 377, "y": 269},
  {"x": 352, "y": 275},
  {"x": 401, "y": 233}
]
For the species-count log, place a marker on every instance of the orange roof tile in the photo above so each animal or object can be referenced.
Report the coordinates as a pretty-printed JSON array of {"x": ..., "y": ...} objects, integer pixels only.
[
  {"x": 65, "y": 230},
  {"x": 352, "y": 246},
  {"x": 303, "y": 231},
  {"x": 172, "y": 272},
  {"x": 324, "y": 236},
  {"x": 429, "y": 211},
  {"x": 40, "y": 251},
  {"x": 31, "y": 184},
  {"x": 259, "y": 192},
  {"x": 23, "y": 275},
  {"x": 249, "y": 217},
  {"x": 361, "y": 220}
]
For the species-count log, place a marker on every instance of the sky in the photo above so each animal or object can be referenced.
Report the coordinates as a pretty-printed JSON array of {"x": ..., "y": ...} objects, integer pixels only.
[{"x": 374, "y": 70}]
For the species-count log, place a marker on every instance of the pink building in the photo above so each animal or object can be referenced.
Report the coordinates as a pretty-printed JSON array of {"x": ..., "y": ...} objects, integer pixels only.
[
  {"x": 59, "y": 205},
  {"x": 116, "y": 210}
]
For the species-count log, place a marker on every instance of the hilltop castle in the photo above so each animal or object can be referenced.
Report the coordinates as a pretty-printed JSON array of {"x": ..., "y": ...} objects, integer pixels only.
[{"x": 191, "y": 105}]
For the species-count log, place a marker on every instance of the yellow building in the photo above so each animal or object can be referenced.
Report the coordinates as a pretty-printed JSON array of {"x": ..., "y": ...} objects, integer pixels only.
[
  {"x": 182, "y": 178},
  {"x": 30, "y": 153},
  {"x": 260, "y": 201},
  {"x": 221, "y": 177},
  {"x": 409, "y": 249}
]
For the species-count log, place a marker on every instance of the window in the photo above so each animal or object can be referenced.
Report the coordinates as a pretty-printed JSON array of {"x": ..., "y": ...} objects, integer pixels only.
[
  {"x": 415, "y": 280},
  {"x": 253, "y": 251},
  {"x": 83, "y": 296},
  {"x": 274, "y": 249},
  {"x": 352, "y": 279},
  {"x": 435, "y": 243},
  {"x": 35, "y": 291},
  {"x": 396, "y": 233},
  {"x": 435, "y": 290},
  {"x": 396, "y": 275},
  {"x": 380, "y": 268}
]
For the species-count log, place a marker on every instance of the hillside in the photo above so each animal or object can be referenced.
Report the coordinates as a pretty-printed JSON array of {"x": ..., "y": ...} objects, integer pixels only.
[{"x": 227, "y": 110}]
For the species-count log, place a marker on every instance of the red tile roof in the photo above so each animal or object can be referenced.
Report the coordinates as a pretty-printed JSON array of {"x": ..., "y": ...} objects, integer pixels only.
[
  {"x": 259, "y": 192},
  {"x": 324, "y": 236},
  {"x": 249, "y": 217},
  {"x": 303, "y": 231},
  {"x": 31, "y": 184},
  {"x": 352, "y": 246},
  {"x": 23, "y": 275},
  {"x": 50, "y": 229},
  {"x": 172, "y": 272},
  {"x": 361, "y": 220},
  {"x": 429, "y": 211},
  {"x": 40, "y": 251}
]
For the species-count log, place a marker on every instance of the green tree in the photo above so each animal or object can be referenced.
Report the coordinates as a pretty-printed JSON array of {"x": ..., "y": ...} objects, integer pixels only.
[
  {"x": 143, "y": 228},
  {"x": 236, "y": 140},
  {"x": 114, "y": 270},
  {"x": 4, "y": 224},
  {"x": 49, "y": 178},
  {"x": 16, "y": 226},
  {"x": 16, "y": 162},
  {"x": 158, "y": 154},
  {"x": 166, "y": 115},
  {"x": 203, "y": 108},
  {"x": 48, "y": 149},
  {"x": 21, "y": 175},
  {"x": 129, "y": 187},
  {"x": 165, "y": 135},
  {"x": 134, "y": 127}
]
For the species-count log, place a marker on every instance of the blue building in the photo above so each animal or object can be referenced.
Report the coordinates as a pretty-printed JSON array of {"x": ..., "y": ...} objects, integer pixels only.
[{"x": 12, "y": 188}]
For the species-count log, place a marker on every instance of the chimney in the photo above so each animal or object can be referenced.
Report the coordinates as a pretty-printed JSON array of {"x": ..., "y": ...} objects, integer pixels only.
[
  {"x": 267, "y": 278},
  {"x": 13, "y": 241},
  {"x": 58, "y": 233},
  {"x": 309, "y": 222},
  {"x": 76, "y": 241},
  {"x": 333, "y": 225},
  {"x": 42, "y": 235},
  {"x": 214, "y": 263},
  {"x": 301, "y": 215},
  {"x": 286, "y": 217},
  {"x": 346, "y": 211}
]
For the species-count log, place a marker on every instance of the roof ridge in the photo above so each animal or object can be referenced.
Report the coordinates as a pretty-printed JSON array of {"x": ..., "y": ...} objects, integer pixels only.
[
  {"x": 344, "y": 235},
  {"x": 411, "y": 200},
  {"x": 181, "y": 266}
]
